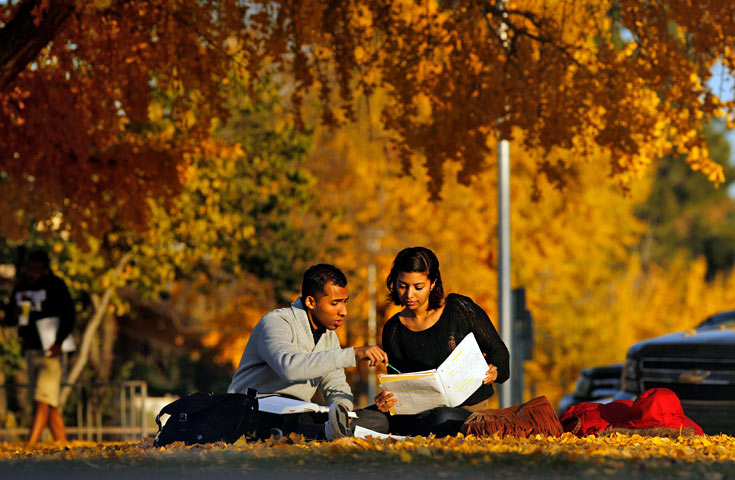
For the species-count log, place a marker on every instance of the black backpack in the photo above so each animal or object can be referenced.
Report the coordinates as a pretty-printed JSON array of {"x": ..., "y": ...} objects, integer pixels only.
[{"x": 206, "y": 418}]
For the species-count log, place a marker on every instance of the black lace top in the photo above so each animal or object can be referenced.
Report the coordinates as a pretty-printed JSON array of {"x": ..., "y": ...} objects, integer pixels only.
[{"x": 411, "y": 351}]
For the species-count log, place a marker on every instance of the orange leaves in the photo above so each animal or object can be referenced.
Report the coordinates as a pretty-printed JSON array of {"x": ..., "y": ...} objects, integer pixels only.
[
  {"x": 37, "y": 12},
  {"x": 102, "y": 4},
  {"x": 564, "y": 63},
  {"x": 90, "y": 93},
  {"x": 561, "y": 58},
  {"x": 453, "y": 457}
]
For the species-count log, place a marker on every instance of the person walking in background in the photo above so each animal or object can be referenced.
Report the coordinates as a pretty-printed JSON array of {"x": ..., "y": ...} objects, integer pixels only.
[
  {"x": 425, "y": 332},
  {"x": 38, "y": 295}
]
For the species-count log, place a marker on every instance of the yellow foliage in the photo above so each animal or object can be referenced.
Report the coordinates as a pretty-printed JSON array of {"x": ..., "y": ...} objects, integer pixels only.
[{"x": 561, "y": 74}]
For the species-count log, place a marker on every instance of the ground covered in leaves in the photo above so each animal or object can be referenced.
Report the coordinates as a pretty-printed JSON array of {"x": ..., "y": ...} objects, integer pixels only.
[{"x": 614, "y": 456}]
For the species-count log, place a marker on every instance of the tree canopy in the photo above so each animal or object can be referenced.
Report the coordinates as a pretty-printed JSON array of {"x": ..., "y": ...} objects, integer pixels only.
[
  {"x": 78, "y": 81},
  {"x": 229, "y": 240}
]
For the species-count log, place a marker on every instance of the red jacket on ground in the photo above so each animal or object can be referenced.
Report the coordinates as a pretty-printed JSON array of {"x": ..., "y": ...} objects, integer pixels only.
[{"x": 657, "y": 407}]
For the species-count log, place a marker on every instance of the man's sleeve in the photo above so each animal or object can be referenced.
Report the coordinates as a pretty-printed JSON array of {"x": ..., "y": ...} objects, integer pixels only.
[
  {"x": 276, "y": 346},
  {"x": 336, "y": 389}
]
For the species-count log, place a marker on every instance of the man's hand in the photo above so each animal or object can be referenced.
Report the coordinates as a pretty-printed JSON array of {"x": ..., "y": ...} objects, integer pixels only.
[
  {"x": 491, "y": 375},
  {"x": 372, "y": 353},
  {"x": 385, "y": 401},
  {"x": 55, "y": 350}
]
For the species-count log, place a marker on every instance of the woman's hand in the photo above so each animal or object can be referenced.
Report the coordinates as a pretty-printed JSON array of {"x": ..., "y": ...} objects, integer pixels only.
[
  {"x": 491, "y": 375},
  {"x": 385, "y": 401}
]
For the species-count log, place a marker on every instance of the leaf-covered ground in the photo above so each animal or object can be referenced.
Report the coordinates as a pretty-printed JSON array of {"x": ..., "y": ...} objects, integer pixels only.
[{"x": 613, "y": 456}]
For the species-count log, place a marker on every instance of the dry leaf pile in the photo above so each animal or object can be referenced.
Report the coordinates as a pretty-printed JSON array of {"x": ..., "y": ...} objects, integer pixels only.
[{"x": 616, "y": 455}]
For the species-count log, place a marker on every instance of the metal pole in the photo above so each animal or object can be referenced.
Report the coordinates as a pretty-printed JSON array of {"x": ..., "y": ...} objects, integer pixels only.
[
  {"x": 504, "y": 300},
  {"x": 504, "y": 304}
]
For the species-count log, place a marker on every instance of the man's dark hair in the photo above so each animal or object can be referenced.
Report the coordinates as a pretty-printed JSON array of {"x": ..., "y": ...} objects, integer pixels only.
[
  {"x": 319, "y": 276},
  {"x": 416, "y": 259},
  {"x": 40, "y": 256}
]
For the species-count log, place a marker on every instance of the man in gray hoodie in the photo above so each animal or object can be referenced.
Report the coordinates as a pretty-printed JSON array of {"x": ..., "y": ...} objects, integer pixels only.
[{"x": 293, "y": 351}]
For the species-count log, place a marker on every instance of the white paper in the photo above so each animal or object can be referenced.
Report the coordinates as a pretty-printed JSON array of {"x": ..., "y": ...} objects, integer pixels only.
[
  {"x": 362, "y": 432},
  {"x": 417, "y": 394},
  {"x": 284, "y": 405},
  {"x": 458, "y": 377},
  {"x": 47, "y": 328},
  {"x": 463, "y": 371}
]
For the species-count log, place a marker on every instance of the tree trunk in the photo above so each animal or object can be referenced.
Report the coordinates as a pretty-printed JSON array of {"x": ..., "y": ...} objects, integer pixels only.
[
  {"x": 100, "y": 312},
  {"x": 21, "y": 40}
]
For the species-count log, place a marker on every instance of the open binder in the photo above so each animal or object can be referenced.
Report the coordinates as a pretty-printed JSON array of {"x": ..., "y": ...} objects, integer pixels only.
[{"x": 458, "y": 377}]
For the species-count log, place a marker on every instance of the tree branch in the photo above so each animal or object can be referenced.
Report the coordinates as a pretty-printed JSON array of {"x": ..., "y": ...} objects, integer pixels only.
[
  {"x": 100, "y": 312},
  {"x": 504, "y": 16},
  {"x": 21, "y": 40}
]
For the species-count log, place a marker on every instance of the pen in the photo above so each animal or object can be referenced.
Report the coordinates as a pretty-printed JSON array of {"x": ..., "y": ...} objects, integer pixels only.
[{"x": 394, "y": 368}]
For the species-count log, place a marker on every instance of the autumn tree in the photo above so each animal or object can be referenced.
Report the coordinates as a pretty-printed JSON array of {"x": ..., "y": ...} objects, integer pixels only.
[
  {"x": 76, "y": 78},
  {"x": 79, "y": 79},
  {"x": 82, "y": 83},
  {"x": 232, "y": 225}
]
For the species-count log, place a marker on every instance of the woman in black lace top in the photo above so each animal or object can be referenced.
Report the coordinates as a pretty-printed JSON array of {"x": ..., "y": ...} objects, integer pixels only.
[{"x": 425, "y": 332}]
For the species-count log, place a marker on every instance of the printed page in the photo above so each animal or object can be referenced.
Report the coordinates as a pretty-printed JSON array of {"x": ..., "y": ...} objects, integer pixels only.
[
  {"x": 463, "y": 371},
  {"x": 415, "y": 394}
]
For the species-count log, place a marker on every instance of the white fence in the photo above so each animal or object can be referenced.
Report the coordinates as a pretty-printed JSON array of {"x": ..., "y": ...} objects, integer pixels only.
[{"x": 99, "y": 411}]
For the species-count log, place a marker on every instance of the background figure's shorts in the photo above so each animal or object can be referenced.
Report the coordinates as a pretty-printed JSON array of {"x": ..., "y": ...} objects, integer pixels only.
[{"x": 47, "y": 376}]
